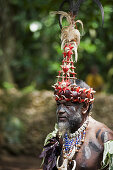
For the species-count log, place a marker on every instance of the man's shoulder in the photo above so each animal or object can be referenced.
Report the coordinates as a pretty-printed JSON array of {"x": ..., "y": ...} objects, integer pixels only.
[{"x": 102, "y": 132}]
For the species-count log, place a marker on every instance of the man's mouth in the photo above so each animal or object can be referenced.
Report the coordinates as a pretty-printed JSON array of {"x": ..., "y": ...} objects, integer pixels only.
[{"x": 62, "y": 118}]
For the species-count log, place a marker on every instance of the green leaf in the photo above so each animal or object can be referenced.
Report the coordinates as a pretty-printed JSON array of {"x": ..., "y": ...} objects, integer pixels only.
[
  {"x": 88, "y": 46},
  {"x": 7, "y": 85},
  {"x": 51, "y": 135},
  {"x": 108, "y": 155},
  {"x": 29, "y": 88}
]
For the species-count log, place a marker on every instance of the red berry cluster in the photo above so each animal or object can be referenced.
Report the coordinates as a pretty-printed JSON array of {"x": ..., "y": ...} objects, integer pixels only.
[
  {"x": 79, "y": 95},
  {"x": 64, "y": 88}
]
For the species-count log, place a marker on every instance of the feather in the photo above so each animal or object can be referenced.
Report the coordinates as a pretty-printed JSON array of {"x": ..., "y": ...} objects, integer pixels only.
[
  {"x": 101, "y": 8},
  {"x": 80, "y": 22},
  {"x": 63, "y": 44},
  {"x": 74, "y": 8},
  {"x": 69, "y": 34},
  {"x": 63, "y": 14},
  {"x": 75, "y": 51},
  {"x": 50, "y": 153}
]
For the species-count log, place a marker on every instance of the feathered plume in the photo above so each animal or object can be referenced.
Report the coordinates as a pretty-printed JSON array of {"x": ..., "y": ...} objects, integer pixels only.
[
  {"x": 69, "y": 34},
  {"x": 74, "y": 7}
]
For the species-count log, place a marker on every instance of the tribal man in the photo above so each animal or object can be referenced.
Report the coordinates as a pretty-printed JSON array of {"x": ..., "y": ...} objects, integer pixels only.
[{"x": 78, "y": 142}]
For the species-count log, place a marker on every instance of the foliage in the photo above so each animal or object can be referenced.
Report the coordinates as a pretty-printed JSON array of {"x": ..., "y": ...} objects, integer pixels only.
[
  {"x": 51, "y": 135},
  {"x": 108, "y": 155}
]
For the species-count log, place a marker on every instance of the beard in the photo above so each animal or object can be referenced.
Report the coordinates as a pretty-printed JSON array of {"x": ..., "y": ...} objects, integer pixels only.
[
  {"x": 63, "y": 127},
  {"x": 72, "y": 124}
]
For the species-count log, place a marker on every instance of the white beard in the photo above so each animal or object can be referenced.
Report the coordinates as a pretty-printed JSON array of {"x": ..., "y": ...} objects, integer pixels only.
[{"x": 63, "y": 127}]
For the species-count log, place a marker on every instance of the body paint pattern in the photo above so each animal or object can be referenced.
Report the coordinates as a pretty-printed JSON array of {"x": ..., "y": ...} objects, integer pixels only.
[
  {"x": 104, "y": 137},
  {"x": 95, "y": 147},
  {"x": 87, "y": 152},
  {"x": 97, "y": 134}
]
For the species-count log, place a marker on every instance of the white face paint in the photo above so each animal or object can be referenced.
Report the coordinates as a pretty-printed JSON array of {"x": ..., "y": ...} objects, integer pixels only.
[
  {"x": 87, "y": 152},
  {"x": 105, "y": 136}
]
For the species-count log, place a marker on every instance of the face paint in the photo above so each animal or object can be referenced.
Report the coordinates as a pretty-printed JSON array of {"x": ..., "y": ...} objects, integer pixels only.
[{"x": 69, "y": 115}]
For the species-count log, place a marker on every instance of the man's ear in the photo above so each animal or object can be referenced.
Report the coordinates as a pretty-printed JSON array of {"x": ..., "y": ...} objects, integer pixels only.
[{"x": 85, "y": 108}]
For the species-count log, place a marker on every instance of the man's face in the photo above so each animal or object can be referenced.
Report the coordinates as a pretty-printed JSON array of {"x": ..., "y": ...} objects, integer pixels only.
[{"x": 69, "y": 115}]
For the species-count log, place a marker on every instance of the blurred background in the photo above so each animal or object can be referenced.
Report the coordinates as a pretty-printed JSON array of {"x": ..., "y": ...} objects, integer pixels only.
[{"x": 30, "y": 58}]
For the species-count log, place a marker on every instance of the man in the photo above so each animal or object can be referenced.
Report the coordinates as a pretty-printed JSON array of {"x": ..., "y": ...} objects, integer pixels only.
[
  {"x": 94, "y": 79},
  {"x": 78, "y": 141},
  {"x": 71, "y": 116}
]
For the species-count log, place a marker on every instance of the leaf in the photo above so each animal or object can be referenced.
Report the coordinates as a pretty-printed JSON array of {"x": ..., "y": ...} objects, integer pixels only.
[
  {"x": 51, "y": 135},
  {"x": 108, "y": 155}
]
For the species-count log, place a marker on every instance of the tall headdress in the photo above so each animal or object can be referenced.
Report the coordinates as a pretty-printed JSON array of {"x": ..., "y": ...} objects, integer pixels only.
[{"x": 66, "y": 87}]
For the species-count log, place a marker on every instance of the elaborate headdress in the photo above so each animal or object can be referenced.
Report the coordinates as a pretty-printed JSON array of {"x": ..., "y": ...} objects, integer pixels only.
[{"x": 66, "y": 87}]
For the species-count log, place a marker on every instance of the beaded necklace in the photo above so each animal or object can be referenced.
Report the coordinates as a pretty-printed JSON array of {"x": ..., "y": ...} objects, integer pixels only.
[{"x": 71, "y": 145}]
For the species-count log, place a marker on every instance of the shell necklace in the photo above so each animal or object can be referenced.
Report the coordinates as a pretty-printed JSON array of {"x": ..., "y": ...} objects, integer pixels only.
[{"x": 71, "y": 145}]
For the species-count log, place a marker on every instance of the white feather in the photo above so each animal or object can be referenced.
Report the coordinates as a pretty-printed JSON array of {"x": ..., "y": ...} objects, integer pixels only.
[{"x": 69, "y": 34}]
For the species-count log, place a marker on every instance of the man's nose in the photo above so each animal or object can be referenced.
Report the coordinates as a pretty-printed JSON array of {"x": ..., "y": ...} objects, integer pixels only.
[{"x": 61, "y": 109}]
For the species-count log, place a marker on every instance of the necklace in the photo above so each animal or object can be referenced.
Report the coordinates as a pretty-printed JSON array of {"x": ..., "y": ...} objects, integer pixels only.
[{"x": 71, "y": 145}]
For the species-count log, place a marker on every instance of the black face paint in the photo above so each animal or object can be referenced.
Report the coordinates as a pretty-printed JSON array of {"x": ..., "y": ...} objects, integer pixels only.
[
  {"x": 75, "y": 121},
  {"x": 94, "y": 147},
  {"x": 97, "y": 134},
  {"x": 70, "y": 113}
]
